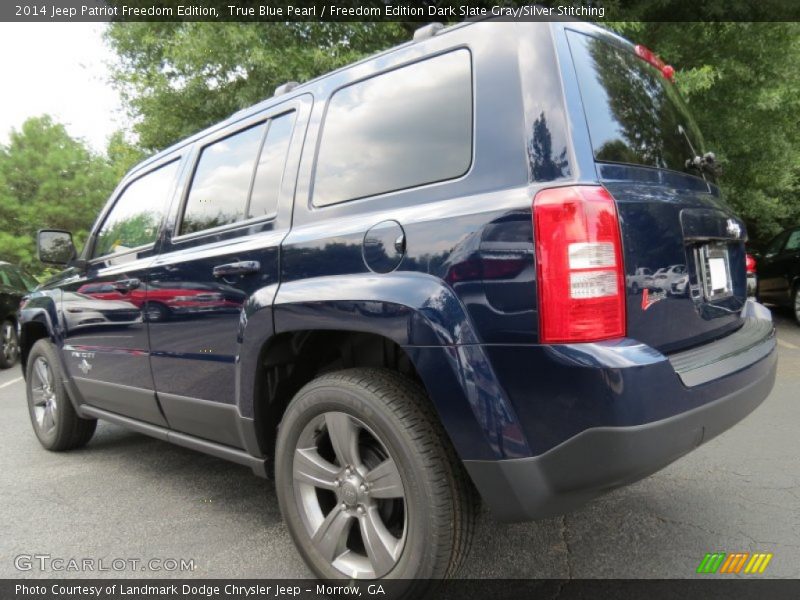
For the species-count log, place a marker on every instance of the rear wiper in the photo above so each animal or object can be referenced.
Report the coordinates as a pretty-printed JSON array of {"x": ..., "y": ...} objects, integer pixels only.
[{"x": 705, "y": 164}]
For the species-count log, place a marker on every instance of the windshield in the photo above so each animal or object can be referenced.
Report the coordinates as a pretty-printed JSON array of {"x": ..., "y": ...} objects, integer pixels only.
[{"x": 633, "y": 112}]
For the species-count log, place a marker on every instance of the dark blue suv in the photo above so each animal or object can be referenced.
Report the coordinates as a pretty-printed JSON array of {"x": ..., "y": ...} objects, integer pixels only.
[{"x": 489, "y": 260}]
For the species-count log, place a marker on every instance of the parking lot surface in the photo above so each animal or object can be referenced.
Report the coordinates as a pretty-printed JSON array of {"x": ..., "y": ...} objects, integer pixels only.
[{"x": 126, "y": 496}]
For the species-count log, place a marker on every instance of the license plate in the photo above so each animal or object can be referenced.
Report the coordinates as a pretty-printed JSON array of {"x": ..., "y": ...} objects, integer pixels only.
[{"x": 715, "y": 271}]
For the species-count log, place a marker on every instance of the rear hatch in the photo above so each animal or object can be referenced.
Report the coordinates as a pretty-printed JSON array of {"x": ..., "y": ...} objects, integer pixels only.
[{"x": 673, "y": 220}]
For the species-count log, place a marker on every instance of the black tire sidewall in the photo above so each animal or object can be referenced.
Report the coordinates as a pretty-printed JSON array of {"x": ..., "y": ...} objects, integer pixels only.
[
  {"x": 65, "y": 413},
  {"x": 416, "y": 558}
]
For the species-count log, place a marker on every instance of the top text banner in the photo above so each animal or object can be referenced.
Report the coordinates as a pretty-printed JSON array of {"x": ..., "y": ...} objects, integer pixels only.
[{"x": 396, "y": 10}]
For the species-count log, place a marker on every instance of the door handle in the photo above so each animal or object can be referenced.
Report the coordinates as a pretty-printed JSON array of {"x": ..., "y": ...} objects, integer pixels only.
[
  {"x": 126, "y": 285},
  {"x": 244, "y": 267}
]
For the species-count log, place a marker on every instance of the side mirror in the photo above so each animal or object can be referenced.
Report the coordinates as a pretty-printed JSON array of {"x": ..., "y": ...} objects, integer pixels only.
[{"x": 55, "y": 247}]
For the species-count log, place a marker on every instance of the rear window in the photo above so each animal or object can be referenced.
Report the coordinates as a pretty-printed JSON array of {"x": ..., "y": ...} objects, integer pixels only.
[
  {"x": 633, "y": 112},
  {"x": 397, "y": 130}
]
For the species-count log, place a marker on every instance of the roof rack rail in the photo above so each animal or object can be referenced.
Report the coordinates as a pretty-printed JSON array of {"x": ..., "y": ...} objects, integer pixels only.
[
  {"x": 427, "y": 31},
  {"x": 285, "y": 88}
]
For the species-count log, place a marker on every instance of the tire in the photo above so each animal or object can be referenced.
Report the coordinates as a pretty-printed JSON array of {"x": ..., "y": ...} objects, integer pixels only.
[
  {"x": 419, "y": 492},
  {"x": 635, "y": 288},
  {"x": 155, "y": 312},
  {"x": 53, "y": 417},
  {"x": 9, "y": 344},
  {"x": 796, "y": 303}
]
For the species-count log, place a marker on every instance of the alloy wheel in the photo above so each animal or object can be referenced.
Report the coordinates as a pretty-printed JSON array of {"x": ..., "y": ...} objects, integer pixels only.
[
  {"x": 797, "y": 306},
  {"x": 45, "y": 403},
  {"x": 350, "y": 495},
  {"x": 10, "y": 346}
]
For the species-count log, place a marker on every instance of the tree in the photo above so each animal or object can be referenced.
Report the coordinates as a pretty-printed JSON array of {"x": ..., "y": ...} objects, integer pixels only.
[
  {"x": 177, "y": 78},
  {"x": 47, "y": 180},
  {"x": 742, "y": 84}
]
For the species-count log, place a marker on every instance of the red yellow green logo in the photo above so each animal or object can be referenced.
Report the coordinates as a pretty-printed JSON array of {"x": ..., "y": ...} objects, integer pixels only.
[{"x": 735, "y": 562}]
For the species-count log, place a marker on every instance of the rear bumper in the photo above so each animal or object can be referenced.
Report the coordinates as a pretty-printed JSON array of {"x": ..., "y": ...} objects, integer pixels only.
[
  {"x": 604, "y": 458},
  {"x": 617, "y": 450}
]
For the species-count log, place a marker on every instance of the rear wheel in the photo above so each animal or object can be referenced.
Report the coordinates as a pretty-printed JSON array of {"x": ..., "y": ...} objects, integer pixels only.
[
  {"x": 9, "y": 345},
  {"x": 796, "y": 303},
  {"x": 53, "y": 417},
  {"x": 368, "y": 483}
]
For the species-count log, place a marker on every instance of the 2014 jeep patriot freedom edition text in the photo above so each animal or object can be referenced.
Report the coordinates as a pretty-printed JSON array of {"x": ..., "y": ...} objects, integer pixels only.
[{"x": 410, "y": 280}]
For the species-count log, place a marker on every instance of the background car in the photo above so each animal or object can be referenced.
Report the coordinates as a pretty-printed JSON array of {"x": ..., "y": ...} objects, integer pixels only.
[
  {"x": 779, "y": 271},
  {"x": 14, "y": 284}
]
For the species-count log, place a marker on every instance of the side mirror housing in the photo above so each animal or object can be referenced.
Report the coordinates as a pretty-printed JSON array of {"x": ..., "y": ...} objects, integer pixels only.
[{"x": 55, "y": 247}]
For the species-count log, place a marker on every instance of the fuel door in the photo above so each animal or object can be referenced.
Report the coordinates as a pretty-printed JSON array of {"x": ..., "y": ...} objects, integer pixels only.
[{"x": 384, "y": 246}]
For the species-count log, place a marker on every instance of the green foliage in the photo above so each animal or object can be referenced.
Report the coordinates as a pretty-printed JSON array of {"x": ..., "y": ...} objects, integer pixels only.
[
  {"x": 177, "y": 78},
  {"x": 47, "y": 180},
  {"x": 742, "y": 84}
]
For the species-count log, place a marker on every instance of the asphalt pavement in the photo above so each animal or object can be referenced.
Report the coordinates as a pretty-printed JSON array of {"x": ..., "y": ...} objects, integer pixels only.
[{"x": 129, "y": 498}]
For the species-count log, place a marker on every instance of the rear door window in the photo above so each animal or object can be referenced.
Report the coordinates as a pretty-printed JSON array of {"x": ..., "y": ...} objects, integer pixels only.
[
  {"x": 239, "y": 177},
  {"x": 404, "y": 128},
  {"x": 221, "y": 182}
]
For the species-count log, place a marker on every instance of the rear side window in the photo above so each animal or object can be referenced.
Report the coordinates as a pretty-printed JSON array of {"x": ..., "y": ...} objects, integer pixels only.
[
  {"x": 137, "y": 213},
  {"x": 271, "y": 163},
  {"x": 408, "y": 127},
  {"x": 239, "y": 177},
  {"x": 634, "y": 114}
]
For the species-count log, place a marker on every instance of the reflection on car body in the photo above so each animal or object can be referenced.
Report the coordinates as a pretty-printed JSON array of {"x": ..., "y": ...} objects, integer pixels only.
[
  {"x": 162, "y": 299},
  {"x": 82, "y": 311},
  {"x": 672, "y": 279},
  {"x": 642, "y": 279}
]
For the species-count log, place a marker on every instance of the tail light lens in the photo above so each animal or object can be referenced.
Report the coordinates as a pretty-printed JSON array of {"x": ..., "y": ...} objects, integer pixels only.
[
  {"x": 750, "y": 263},
  {"x": 581, "y": 280}
]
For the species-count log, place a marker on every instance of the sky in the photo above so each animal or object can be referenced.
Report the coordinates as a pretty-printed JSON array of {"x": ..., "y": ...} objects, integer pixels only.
[{"x": 59, "y": 69}]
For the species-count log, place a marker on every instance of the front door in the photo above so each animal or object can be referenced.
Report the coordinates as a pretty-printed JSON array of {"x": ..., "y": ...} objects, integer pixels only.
[
  {"x": 222, "y": 254},
  {"x": 106, "y": 344}
]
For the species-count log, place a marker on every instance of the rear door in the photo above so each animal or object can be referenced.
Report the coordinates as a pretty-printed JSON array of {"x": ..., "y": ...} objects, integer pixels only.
[
  {"x": 223, "y": 249},
  {"x": 673, "y": 220},
  {"x": 106, "y": 346}
]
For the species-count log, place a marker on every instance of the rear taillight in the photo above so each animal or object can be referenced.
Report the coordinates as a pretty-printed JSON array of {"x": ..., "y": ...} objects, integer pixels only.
[
  {"x": 581, "y": 279},
  {"x": 750, "y": 263}
]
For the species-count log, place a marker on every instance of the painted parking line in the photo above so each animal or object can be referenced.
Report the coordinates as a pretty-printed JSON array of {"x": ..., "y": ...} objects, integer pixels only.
[
  {"x": 781, "y": 342},
  {"x": 12, "y": 382}
]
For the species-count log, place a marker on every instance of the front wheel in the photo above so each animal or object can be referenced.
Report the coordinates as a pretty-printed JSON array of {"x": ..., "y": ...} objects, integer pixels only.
[
  {"x": 9, "y": 345},
  {"x": 53, "y": 417},
  {"x": 368, "y": 483}
]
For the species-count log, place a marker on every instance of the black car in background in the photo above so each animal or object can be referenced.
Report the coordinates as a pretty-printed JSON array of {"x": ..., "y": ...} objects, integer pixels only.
[
  {"x": 14, "y": 284},
  {"x": 779, "y": 271}
]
